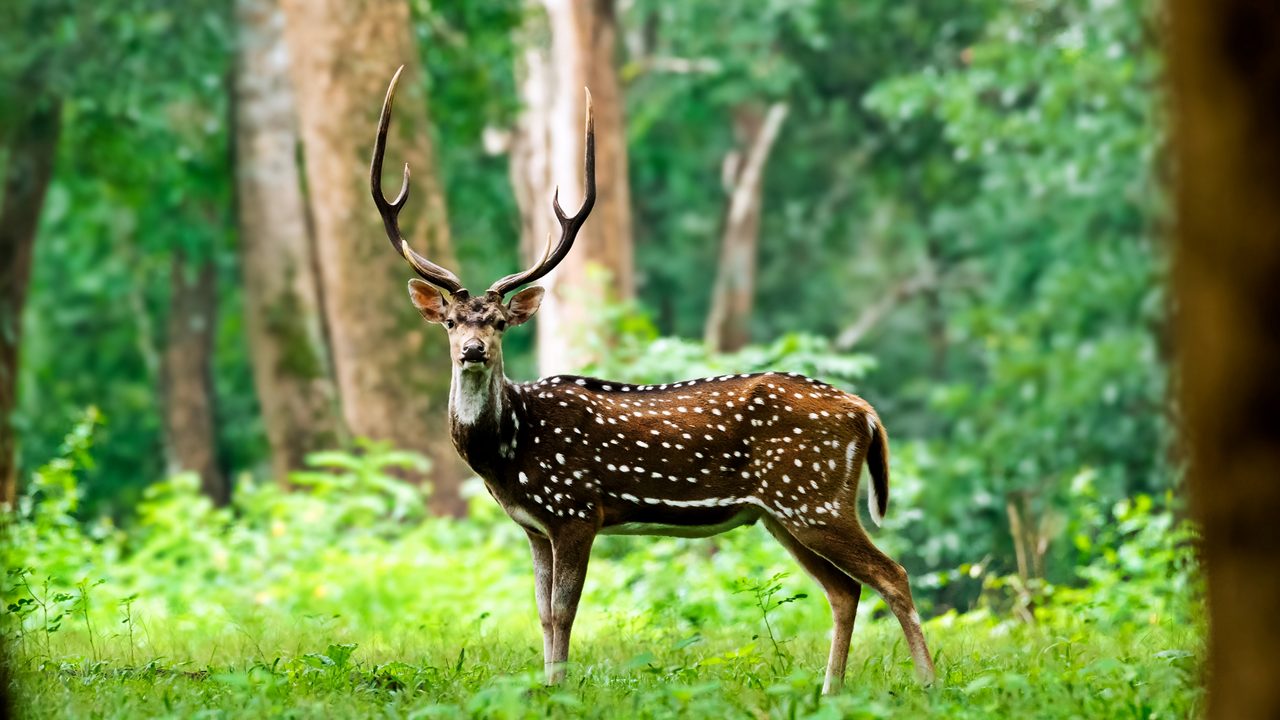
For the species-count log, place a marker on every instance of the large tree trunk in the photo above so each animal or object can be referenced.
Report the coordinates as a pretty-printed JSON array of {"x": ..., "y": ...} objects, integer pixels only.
[
  {"x": 1226, "y": 72},
  {"x": 26, "y": 179},
  {"x": 282, "y": 296},
  {"x": 187, "y": 390},
  {"x": 392, "y": 369},
  {"x": 733, "y": 295},
  {"x": 548, "y": 152}
]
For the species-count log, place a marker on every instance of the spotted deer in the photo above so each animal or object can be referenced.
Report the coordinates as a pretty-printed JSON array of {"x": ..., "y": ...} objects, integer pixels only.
[{"x": 569, "y": 458}]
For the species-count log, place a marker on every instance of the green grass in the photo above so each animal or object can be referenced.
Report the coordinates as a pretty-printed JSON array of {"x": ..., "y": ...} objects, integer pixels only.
[
  {"x": 986, "y": 669},
  {"x": 335, "y": 603}
]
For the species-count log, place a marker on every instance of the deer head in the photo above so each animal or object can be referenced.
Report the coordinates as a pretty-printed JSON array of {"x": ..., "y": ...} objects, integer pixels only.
[{"x": 476, "y": 324}]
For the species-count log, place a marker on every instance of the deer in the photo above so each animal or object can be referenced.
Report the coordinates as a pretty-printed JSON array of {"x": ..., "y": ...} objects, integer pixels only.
[{"x": 570, "y": 458}]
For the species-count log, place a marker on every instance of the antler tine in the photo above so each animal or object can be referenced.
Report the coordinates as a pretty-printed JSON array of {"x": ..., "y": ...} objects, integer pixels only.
[
  {"x": 390, "y": 211},
  {"x": 569, "y": 226},
  {"x": 546, "y": 250}
]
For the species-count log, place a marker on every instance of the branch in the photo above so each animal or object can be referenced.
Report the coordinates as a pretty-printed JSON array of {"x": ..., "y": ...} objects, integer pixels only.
[
  {"x": 675, "y": 66},
  {"x": 871, "y": 317}
]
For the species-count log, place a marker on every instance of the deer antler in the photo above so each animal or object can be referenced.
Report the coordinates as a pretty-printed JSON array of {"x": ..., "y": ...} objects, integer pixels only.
[
  {"x": 569, "y": 226},
  {"x": 432, "y": 273}
]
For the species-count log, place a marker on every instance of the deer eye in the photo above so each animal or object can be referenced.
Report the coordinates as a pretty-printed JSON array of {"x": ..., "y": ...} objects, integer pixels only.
[
  {"x": 449, "y": 324},
  {"x": 502, "y": 325}
]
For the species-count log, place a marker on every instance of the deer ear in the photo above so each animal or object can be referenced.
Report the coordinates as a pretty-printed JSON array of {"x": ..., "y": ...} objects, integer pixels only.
[
  {"x": 429, "y": 301},
  {"x": 523, "y": 305}
]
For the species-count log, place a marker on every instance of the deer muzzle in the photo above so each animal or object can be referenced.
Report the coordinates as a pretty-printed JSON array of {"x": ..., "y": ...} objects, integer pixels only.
[{"x": 473, "y": 351}]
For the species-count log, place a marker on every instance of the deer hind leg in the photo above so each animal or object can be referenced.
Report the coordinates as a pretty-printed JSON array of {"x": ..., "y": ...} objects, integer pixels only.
[
  {"x": 571, "y": 550},
  {"x": 842, "y": 595},
  {"x": 540, "y": 547},
  {"x": 849, "y": 549}
]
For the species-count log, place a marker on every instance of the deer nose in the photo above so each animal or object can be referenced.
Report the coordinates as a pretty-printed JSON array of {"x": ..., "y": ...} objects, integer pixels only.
[{"x": 473, "y": 351}]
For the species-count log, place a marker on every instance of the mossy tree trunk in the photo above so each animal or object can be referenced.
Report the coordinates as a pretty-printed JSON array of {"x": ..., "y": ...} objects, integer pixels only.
[
  {"x": 392, "y": 369},
  {"x": 283, "y": 312},
  {"x": 1225, "y": 59}
]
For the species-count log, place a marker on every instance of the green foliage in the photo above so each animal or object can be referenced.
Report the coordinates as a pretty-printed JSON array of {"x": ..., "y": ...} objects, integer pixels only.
[
  {"x": 840, "y": 219},
  {"x": 646, "y": 358},
  {"x": 1008, "y": 149},
  {"x": 142, "y": 172},
  {"x": 1005, "y": 154},
  {"x": 1054, "y": 369},
  {"x": 333, "y": 600}
]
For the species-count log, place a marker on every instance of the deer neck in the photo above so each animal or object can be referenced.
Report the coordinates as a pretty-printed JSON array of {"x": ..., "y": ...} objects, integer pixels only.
[
  {"x": 477, "y": 396},
  {"x": 477, "y": 400}
]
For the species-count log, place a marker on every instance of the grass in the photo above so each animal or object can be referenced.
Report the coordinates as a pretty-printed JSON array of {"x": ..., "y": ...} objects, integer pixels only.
[
  {"x": 329, "y": 604},
  {"x": 986, "y": 669}
]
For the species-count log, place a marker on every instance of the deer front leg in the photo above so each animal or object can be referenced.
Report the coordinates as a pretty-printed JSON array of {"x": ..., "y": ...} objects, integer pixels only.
[
  {"x": 571, "y": 549},
  {"x": 540, "y": 547}
]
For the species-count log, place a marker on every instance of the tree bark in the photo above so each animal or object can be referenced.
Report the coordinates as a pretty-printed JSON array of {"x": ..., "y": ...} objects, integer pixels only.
[
  {"x": 548, "y": 151},
  {"x": 392, "y": 369},
  {"x": 283, "y": 313},
  {"x": 530, "y": 149},
  {"x": 187, "y": 391},
  {"x": 32, "y": 149},
  {"x": 733, "y": 295},
  {"x": 1225, "y": 61}
]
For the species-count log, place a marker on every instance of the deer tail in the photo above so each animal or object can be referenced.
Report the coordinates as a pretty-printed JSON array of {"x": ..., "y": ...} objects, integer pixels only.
[{"x": 878, "y": 465}]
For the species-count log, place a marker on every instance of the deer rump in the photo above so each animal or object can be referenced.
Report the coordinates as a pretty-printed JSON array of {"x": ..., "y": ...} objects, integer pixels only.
[{"x": 694, "y": 458}]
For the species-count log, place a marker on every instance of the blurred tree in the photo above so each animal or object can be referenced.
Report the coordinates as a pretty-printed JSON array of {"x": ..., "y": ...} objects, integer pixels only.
[
  {"x": 142, "y": 173},
  {"x": 1225, "y": 60},
  {"x": 529, "y": 147},
  {"x": 30, "y": 124},
  {"x": 29, "y": 151},
  {"x": 833, "y": 176},
  {"x": 392, "y": 371},
  {"x": 187, "y": 385},
  {"x": 548, "y": 152},
  {"x": 283, "y": 312},
  {"x": 733, "y": 295}
]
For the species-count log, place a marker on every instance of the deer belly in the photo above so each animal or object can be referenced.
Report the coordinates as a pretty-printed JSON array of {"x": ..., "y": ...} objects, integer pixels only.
[{"x": 699, "y": 526}]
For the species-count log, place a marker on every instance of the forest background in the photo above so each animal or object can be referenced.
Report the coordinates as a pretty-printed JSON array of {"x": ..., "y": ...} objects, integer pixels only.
[{"x": 956, "y": 211}]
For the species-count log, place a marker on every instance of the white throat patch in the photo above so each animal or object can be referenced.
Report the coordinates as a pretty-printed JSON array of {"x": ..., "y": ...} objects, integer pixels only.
[{"x": 473, "y": 393}]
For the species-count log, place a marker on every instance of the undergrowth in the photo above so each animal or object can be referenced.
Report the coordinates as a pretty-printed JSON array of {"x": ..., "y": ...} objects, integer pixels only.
[{"x": 345, "y": 600}]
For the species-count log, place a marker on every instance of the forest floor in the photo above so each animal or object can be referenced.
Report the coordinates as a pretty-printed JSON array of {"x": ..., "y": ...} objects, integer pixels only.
[{"x": 986, "y": 669}]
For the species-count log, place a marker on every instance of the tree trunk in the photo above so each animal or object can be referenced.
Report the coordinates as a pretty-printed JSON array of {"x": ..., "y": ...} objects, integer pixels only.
[
  {"x": 728, "y": 322},
  {"x": 187, "y": 376},
  {"x": 282, "y": 296},
  {"x": 530, "y": 149},
  {"x": 392, "y": 369},
  {"x": 26, "y": 179},
  {"x": 1225, "y": 63},
  {"x": 548, "y": 151}
]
